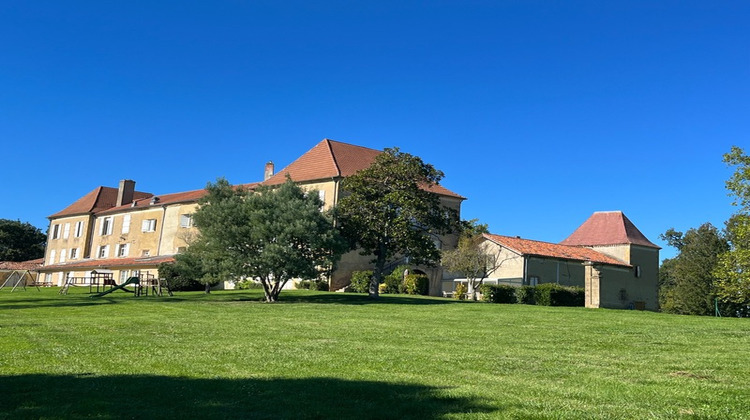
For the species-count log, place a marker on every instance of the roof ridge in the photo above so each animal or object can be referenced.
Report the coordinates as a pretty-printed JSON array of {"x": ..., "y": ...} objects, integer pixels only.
[{"x": 333, "y": 155}]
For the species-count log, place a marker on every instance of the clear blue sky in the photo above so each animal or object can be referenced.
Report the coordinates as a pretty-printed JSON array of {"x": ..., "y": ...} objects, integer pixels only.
[{"x": 539, "y": 112}]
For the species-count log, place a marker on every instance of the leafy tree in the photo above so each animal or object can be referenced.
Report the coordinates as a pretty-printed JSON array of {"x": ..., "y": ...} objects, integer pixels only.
[
  {"x": 688, "y": 284},
  {"x": 272, "y": 235},
  {"x": 471, "y": 258},
  {"x": 20, "y": 241},
  {"x": 733, "y": 270},
  {"x": 389, "y": 210}
]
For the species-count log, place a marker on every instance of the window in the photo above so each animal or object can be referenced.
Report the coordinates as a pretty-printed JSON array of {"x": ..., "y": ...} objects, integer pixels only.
[
  {"x": 73, "y": 253},
  {"x": 533, "y": 280},
  {"x": 55, "y": 231},
  {"x": 186, "y": 220},
  {"x": 52, "y": 256},
  {"x": 106, "y": 227},
  {"x": 48, "y": 278},
  {"x": 62, "y": 255},
  {"x": 322, "y": 196},
  {"x": 103, "y": 251},
  {"x": 637, "y": 270},
  {"x": 124, "y": 276},
  {"x": 145, "y": 253},
  {"x": 148, "y": 225},
  {"x": 66, "y": 231},
  {"x": 79, "y": 230},
  {"x": 126, "y": 223},
  {"x": 122, "y": 250}
]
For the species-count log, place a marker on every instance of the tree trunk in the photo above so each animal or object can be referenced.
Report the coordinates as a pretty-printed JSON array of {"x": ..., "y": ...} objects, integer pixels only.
[
  {"x": 377, "y": 275},
  {"x": 208, "y": 288}
]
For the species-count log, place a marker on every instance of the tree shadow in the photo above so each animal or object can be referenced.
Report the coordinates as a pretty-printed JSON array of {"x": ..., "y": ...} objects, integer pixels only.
[
  {"x": 363, "y": 299},
  {"x": 63, "y": 396}
]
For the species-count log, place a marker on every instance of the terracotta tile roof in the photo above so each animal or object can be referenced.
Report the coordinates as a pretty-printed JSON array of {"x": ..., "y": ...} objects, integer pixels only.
[
  {"x": 333, "y": 159},
  {"x": 101, "y": 198},
  {"x": 607, "y": 228},
  {"x": 548, "y": 249},
  {"x": 110, "y": 263},
  {"x": 21, "y": 265}
]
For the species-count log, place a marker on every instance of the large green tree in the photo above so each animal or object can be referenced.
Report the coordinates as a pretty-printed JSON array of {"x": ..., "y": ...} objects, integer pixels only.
[
  {"x": 388, "y": 210},
  {"x": 733, "y": 270},
  {"x": 272, "y": 235},
  {"x": 687, "y": 282},
  {"x": 20, "y": 241}
]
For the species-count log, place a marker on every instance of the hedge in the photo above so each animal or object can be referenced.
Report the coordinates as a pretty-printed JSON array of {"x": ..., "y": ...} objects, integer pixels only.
[
  {"x": 498, "y": 293},
  {"x": 416, "y": 284}
]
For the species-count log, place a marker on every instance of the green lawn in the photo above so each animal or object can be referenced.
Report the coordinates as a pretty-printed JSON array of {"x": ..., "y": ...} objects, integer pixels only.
[{"x": 333, "y": 355}]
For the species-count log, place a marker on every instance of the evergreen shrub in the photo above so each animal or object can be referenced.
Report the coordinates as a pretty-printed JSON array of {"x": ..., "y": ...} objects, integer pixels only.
[
  {"x": 525, "y": 295},
  {"x": 361, "y": 281},
  {"x": 416, "y": 284},
  {"x": 498, "y": 293}
]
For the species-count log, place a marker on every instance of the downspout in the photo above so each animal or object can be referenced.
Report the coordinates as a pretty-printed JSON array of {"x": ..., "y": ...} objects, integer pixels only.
[
  {"x": 525, "y": 270},
  {"x": 558, "y": 273},
  {"x": 161, "y": 229}
]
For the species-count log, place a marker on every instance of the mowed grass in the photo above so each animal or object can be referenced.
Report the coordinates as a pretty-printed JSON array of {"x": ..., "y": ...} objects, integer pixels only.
[{"x": 333, "y": 355}]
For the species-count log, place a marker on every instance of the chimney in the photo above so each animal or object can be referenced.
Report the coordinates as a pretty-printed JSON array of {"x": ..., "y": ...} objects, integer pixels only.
[
  {"x": 125, "y": 192},
  {"x": 269, "y": 171}
]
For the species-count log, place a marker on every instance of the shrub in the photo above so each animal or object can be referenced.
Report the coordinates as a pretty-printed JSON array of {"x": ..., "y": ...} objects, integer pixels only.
[
  {"x": 417, "y": 284},
  {"x": 525, "y": 295},
  {"x": 394, "y": 282},
  {"x": 361, "y": 281},
  {"x": 178, "y": 280},
  {"x": 248, "y": 284},
  {"x": 552, "y": 294},
  {"x": 382, "y": 288},
  {"x": 498, "y": 293},
  {"x": 321, "y": 285},
  {"x": 460, "y": 292}
]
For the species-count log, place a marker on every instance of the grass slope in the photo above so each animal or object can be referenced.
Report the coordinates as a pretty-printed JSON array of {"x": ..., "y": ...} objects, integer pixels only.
[{"x": 332, "y": 355}]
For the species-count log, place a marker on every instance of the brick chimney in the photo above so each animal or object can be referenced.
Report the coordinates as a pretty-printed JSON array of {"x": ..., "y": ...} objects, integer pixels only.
[
  {"x": 125, "y": 192},
  {"x": 269, "y": 171}
]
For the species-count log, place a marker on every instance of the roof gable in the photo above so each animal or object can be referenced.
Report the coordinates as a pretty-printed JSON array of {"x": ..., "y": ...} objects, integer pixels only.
[
  {"x": 607, "y": 228},
  {"x": 548, "y": 249},
  {"x": 333, "y": 159},
  {"x": 99, "y": 199}
]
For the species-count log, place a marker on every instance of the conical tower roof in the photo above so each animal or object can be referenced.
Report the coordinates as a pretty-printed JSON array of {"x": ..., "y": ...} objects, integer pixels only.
[{"x": 607, "y": 228}]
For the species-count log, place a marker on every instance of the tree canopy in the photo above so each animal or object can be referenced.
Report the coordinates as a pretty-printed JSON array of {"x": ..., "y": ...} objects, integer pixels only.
[
  {"x": 388, "y": 210},
  {"x": 271, "y": 235},
  {"x": 20, "y": 241}
]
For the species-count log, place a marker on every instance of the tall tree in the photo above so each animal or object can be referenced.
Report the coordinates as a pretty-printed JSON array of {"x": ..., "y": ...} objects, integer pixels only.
[
  {"x": 733, "y": 270},
  {"x": 389, "y": 210},
  {"x": 20, "y": 241},
  {"x": 688, "y": 284},
  {"x": 272, "y": 235}
]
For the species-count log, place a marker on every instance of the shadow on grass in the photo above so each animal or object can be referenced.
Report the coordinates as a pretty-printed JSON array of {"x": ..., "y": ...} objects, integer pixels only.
[
  {"x": 48, "y": 396},
  {"x": 362, "y": 299},
  {"x": 52, "y": 302}
]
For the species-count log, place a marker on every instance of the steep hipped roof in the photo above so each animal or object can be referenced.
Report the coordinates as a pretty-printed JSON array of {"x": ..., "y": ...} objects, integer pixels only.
[
  {"x": 547, "y": 249},
  {"x": 334, "y": 159},
  {"x": 607, "y": 228},
  {"x": 101, "y": 198},
  {"x": 21, "y": 265}
]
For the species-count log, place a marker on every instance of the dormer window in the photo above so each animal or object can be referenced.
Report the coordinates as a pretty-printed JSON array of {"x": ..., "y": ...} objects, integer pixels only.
[{"x": 154, "y": 200}]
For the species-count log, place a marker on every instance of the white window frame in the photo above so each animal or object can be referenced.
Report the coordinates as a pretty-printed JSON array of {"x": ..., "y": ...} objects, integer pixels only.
[
  {"x": 63, "y": 253},
  {"x": 55, "y": 231},
  {"x": 73, "y": 253},
  {"x": 52, "y": 255},
  {"x": 126, "y": 224},
  {"x": 122, "y": 250},
  {"x": 148, "y": 225},
  {"x": 105, "y": 228},
  {"x": 78, "y": 229},
  {"x": 103, "y": 251},
  {"x": 66, "y": 231},
  {"x": 186, "y": 220}
]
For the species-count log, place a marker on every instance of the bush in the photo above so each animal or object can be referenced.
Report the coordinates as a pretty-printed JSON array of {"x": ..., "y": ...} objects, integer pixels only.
[
  {"x": 552, "y": 294},
  {"x": 361, "y": 281},
  {"x": 417, "y": 284},
  {"x": 394, "y": 282},
  {"x": 321, "y": 285},
  {"x": 498, "y": 293},
  {"x": 178, "y": 280},
  {"x": 248, "y": 284},
  {"x": 460, "y": 292},
  {"x": 525, "y": 295}
]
